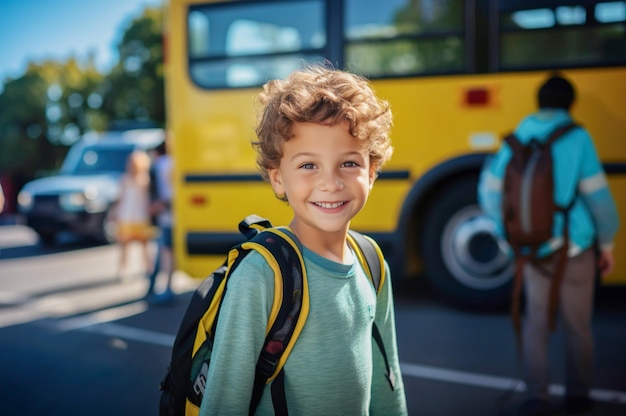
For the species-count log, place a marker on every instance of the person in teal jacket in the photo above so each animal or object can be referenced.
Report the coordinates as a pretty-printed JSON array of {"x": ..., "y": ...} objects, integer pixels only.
[
  {"x": 322, "y": 137},
  {"x": 593, "y": 218}
]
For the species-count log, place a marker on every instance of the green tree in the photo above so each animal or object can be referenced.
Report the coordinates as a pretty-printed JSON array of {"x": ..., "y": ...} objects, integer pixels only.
[
  {"x": 44, "y": 108},
  {"x": 22, "y": 120},
  {"x": 135, "y": 87},
  {"x": 53, "y": 103}
]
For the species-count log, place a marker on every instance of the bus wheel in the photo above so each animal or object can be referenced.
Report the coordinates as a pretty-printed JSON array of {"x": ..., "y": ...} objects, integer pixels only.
[{"x": 464, "y": 261}]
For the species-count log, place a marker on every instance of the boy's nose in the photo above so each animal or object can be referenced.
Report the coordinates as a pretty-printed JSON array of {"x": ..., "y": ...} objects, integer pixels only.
[{"x": 332, "y": 183}]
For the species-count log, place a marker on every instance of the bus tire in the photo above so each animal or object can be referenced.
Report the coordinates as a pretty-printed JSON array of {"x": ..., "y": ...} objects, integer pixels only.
[{"x": 463, "y": 259}]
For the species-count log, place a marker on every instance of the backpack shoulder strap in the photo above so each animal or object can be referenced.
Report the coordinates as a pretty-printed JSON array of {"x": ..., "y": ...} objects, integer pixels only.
[
  {"x": 513, "y": 142},
  {"x": 559, "y": 132},
  {"x": 289, "y": 309},
  {"x": 252, "y": 225},
  {"x": 370, "y": 256}
]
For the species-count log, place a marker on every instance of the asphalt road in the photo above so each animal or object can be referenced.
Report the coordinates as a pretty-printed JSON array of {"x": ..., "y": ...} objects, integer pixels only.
[{"x": 76, "y": 340}]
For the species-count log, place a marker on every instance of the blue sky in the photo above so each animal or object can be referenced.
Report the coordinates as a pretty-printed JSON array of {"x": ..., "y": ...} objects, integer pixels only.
[{"x": 35, "y": 30}]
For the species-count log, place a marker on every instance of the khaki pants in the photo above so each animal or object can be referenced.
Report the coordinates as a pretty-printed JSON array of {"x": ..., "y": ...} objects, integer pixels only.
[{"x": 574, "y": 318}]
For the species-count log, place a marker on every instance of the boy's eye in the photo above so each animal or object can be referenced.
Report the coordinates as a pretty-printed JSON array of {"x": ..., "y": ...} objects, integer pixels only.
[
  {"x": 350, "y": 164},
  {"x": 307, "y": 166}
]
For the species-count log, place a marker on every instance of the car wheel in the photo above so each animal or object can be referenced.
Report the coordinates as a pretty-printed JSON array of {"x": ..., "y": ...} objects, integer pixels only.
[
  {"x": 108, "y": 228},
  {"x": 463, "y": 258},
  {"x": 47, "y": 239}
]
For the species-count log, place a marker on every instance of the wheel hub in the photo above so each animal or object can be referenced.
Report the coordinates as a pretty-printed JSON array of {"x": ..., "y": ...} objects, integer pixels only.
[{"x": 473, "y": 253}]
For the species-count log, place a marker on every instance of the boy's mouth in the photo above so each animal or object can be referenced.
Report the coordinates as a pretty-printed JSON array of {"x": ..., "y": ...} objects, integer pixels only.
[{"x": 329, "y": 205}]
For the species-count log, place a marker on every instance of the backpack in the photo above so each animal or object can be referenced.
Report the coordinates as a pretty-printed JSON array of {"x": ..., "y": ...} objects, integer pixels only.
[
  {"x": 183, "y": 386},
  {"x": 528, "y": 211}
]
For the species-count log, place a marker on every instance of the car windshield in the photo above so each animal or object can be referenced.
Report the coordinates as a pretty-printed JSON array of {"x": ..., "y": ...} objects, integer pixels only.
[{"x": 95, "y": 160}]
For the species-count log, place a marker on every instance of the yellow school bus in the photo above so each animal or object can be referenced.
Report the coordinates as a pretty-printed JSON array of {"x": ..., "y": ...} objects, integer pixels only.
[{"x": 459, "y": 74}]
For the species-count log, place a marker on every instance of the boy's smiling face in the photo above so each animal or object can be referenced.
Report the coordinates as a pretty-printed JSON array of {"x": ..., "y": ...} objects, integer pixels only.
[{"x": 326, "y": 176}]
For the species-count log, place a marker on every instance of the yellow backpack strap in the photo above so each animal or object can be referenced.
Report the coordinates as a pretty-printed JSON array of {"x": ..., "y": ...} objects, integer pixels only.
[
  {"x": 289, "y": 309},
  {"x": 370, "y": 256}
]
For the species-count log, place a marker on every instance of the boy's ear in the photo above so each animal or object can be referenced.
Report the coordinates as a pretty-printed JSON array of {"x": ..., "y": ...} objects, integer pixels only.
[
  {"x": 276, "y": 181},
  {"x": 372, "y": 175}
]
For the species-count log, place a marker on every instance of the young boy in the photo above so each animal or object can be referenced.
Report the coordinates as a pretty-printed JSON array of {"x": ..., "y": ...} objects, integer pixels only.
[{"x": 322, "y": 137}]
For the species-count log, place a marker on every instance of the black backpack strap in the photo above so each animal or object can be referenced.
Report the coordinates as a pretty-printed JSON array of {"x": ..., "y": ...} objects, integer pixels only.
[
  {"x": 376, "y": 268},
  {"x": 279, "y": 400},
  {"x": 389, "y": 375},
  {"x": 252, "y": 225},
  {"x": 289, "y": 320}
]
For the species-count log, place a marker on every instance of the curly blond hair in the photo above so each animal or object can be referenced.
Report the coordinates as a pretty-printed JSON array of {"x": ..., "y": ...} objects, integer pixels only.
[{"x": 318, "y": 94}]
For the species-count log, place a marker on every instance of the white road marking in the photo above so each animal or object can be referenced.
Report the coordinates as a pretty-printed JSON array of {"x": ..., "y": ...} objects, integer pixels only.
[
  {"x": 105, "y": 315},
  {"x": 498, "y": 383},
  {"x": 460, "y": 377},
  {"x": 100, "y": 323},
  {"x": 130, "y": 333}
]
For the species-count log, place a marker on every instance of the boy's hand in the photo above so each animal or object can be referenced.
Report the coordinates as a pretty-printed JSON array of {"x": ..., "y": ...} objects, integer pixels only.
[{"x": 606, "y": 262}]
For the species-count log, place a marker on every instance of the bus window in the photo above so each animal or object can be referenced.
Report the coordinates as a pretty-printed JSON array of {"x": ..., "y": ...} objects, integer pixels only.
[
  {"x": 563, "y": 36},
  {"x": 403, "y": 37},
  {"x": 252, "y": 44},
  {"x": 614, "y": 11}
]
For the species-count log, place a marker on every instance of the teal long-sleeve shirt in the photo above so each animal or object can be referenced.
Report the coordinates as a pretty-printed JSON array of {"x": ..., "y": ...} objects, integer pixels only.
[
  {"x": 578, "y": 176},
  {"x": 335, "y": 368}
]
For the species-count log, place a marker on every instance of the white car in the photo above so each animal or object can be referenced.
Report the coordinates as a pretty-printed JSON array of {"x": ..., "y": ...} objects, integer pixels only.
[{"x": 79, "y": 197}]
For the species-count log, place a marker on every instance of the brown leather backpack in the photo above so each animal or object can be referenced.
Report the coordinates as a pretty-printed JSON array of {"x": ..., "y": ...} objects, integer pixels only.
[{"x": 528, "y": 212}]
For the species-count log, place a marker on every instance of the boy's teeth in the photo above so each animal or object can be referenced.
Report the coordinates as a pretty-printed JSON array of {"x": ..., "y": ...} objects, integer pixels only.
[{"x": 329, "y": 205}]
